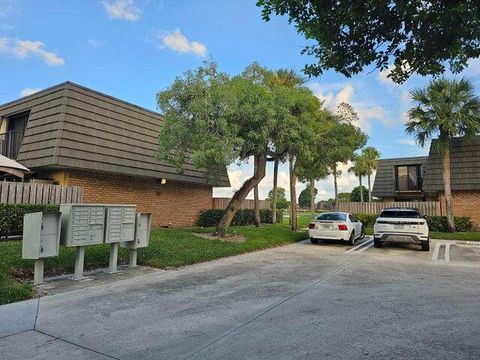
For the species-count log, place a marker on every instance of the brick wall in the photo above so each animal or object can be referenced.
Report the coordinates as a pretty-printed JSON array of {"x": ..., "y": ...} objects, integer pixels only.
[
  {"x": 176, "y": 204},
  {"x": 465, "y": 203}
]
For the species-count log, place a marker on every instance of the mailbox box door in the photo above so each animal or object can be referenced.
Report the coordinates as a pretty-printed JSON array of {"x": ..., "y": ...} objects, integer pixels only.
[
  {"x": 50, "y": 235},
  {"x": 143, "y": 230}
]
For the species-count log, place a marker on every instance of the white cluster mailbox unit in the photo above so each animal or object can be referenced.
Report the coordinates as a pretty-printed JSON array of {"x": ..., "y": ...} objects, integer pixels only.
[
  {"x": 82, "y": 224},
  {"x": 41, "y": 239},
  {"x": 79, "y": 225},
  {"x": 143, "y": 224},
  {"x": 120, "y": 227}
]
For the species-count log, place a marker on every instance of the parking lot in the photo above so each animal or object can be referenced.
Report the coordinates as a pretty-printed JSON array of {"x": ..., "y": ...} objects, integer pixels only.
[{"x": 302, "y": 301}]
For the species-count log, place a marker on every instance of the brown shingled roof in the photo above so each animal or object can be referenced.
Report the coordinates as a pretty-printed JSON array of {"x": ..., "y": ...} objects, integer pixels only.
[{"x": 71, "y": 126}]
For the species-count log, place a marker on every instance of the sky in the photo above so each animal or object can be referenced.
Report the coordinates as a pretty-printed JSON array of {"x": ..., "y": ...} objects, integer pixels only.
[{"x": 131, "y": 49}]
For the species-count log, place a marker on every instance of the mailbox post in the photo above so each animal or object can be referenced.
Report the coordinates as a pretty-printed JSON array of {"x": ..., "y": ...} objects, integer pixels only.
[
  {"x": 120, "y": 227},
  {"x": 41, "y": 239},
  {"x": 82, "y": 224},
  {"x": 143, "y": 224}
]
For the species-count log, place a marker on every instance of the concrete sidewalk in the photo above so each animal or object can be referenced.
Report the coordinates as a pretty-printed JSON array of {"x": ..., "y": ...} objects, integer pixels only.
[{"x": 298, "y": 301}]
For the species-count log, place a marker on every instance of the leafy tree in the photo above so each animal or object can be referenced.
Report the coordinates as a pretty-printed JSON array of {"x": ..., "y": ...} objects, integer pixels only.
[
  {"x": 343, "y": 196},
  {"x": 349, "y": 36},
  {"x": 277, "y": 78},
  {"x": 282, "y": 202},
  {"x": 360, "y": 170},
  {"x": 357, "y": 196},
  {"x": 214, "y": 120},
  {"x": 370, "y": 157},
  {"x": 447, "y": 108},
  {"x": 344, "y": 138},
  {"x": 304, "y": 199}
]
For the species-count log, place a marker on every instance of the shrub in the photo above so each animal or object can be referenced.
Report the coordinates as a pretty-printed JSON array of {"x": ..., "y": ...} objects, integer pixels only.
[
  {"x": 11, "y": 216},
  {"x": 440, "y": 223},
  {"x": 368, "y": 220},
  {"x": 211, "y": 217}
]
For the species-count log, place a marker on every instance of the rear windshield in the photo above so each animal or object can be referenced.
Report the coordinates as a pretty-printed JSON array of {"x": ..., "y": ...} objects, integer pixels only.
[
  {"x": 332, "y": 216},
  {"x": 409, "y": 214}
]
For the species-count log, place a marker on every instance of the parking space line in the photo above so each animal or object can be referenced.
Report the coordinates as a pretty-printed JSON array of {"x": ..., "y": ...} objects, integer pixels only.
[
  {"x": 436, "y": 251},
  {"x": 447, "y": 251},
  {"x": 355, "y": 248},
  {"x": 365, "y": 248}
]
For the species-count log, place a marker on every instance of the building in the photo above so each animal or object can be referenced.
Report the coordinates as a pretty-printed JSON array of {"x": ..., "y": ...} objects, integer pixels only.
[
  {"x": 72, "y": 135},
  {"x": 421, "y": 179}
]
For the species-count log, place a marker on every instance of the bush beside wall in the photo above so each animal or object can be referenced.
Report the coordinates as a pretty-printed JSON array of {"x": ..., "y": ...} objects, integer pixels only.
[
  {"x": 11, "y": 217},
  {"x": 211, "y": 217},
  {"x": 435, "y": 223}
]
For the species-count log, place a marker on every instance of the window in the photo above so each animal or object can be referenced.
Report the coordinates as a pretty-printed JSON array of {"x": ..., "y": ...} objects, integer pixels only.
[
  {"x": 12, "y": 136},
  {"x": 408, "y": 178},
  {"x": 332, "y": 217}
]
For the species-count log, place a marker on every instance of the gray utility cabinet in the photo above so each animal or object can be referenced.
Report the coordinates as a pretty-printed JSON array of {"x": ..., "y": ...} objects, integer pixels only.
[
  {"x": 143, "y": 225},
  {"x": 120, "y": 223},
  {"x": 41, "y": 235},
  {"x": 82, "y": 224}
]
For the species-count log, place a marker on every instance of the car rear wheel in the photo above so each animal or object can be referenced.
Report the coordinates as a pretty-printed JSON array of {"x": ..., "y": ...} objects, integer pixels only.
[
  {"x": 377, "y": 243},
  {"x": 313, "y": 240},
  {"x": 426, "y": 245},
  {"x": 351, "y": 241},
  {"x": 362, "y": 234}
]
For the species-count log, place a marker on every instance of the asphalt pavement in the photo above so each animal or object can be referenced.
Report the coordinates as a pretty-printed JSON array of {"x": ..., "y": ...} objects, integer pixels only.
[{"x": 302, "y": 301}]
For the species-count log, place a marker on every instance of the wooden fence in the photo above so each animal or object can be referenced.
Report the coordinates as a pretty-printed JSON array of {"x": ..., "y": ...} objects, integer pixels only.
[
  {"x": 221, "y": 203},
  {"x": 30, "y": 193},
  {"x": 431, "y": 208}
]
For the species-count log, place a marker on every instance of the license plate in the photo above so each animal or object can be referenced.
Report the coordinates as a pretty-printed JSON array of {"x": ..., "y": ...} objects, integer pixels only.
[
  {"x": 325, "y": 226},
  {"x": 399, "y": 227}
]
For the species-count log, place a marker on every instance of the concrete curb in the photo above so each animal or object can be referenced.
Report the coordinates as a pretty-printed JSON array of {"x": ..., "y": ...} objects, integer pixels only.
[{"x": 18, "y": 317}]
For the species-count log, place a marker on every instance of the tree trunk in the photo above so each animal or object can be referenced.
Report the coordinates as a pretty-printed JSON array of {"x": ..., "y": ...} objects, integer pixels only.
[
  {"x": 312, "y": 196},
  {"x": 361, "y": 188},
  {"x": 293, "y": 194},
  {"x": 256, "y": 205},
  {"x": 369, "y": 189},
  {"x": 448, "y": 190},
  {"x": 241, "y": 194},
  {"x": 335, "y": 185},
  {"x": 274, "y": 192}
]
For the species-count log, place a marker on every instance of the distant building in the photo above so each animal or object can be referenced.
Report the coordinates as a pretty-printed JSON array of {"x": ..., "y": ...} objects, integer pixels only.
[
  {"x": 72, "y": 135},
  {"x": 421, "y": 179}
]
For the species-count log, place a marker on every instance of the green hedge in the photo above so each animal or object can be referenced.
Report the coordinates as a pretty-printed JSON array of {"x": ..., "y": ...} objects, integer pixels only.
[
  {"x": 211, "y": 217},
  {"x": 435, "y": 223},
  {"x": 11, "y": 217}
]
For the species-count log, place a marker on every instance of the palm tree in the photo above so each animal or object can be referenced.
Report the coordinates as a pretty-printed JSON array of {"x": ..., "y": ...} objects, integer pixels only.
[
  {"x": 359, "y": 169},
  {"x": 447, "y": 109},
  {"x": 288, "y": 78},
  {"x": 370, "y": 156}
]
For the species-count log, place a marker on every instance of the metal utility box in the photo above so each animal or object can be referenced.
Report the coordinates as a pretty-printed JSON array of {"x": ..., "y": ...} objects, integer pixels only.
[
  {"x": 41, "y": 235},
  {"x": 143, "y": 224},
  {"x": 120, "y": 223},
  {"x": 82, "y": 224}
]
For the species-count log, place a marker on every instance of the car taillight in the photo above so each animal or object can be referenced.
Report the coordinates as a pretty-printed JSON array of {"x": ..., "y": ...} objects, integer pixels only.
[
  {"x": 311, "y": 226},
  {"x": 342, "y": 227}
]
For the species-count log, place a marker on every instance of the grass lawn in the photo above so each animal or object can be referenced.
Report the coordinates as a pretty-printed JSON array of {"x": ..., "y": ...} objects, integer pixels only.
[{"x": 169, "y": 248}]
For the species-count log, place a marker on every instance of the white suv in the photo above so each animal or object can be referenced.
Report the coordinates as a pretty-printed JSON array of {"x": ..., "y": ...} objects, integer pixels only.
[{"x": 404, "y": 225}]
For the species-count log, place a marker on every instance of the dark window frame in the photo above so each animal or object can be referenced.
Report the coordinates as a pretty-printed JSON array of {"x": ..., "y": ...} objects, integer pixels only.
[{"x": 409, "y": 185}]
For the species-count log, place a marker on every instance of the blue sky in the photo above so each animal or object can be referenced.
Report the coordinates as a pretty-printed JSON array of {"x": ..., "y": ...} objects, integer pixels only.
[{"x": 131, "y": 49}]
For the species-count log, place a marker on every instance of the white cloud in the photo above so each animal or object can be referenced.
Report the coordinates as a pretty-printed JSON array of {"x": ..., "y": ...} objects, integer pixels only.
[
  {"x": 24, "y": 48},
  {"x": 96, "y": 43},
  {"x": 366, "y": 112},
  {"x": 344, "y": 95},
  {"x": 178, "y": 42},
  {"x": 407, "y": 141},
  {"x": 29, "y": 91},
  {"x": 122, "y": 9},
  {"x": 8, "y": 7}
]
